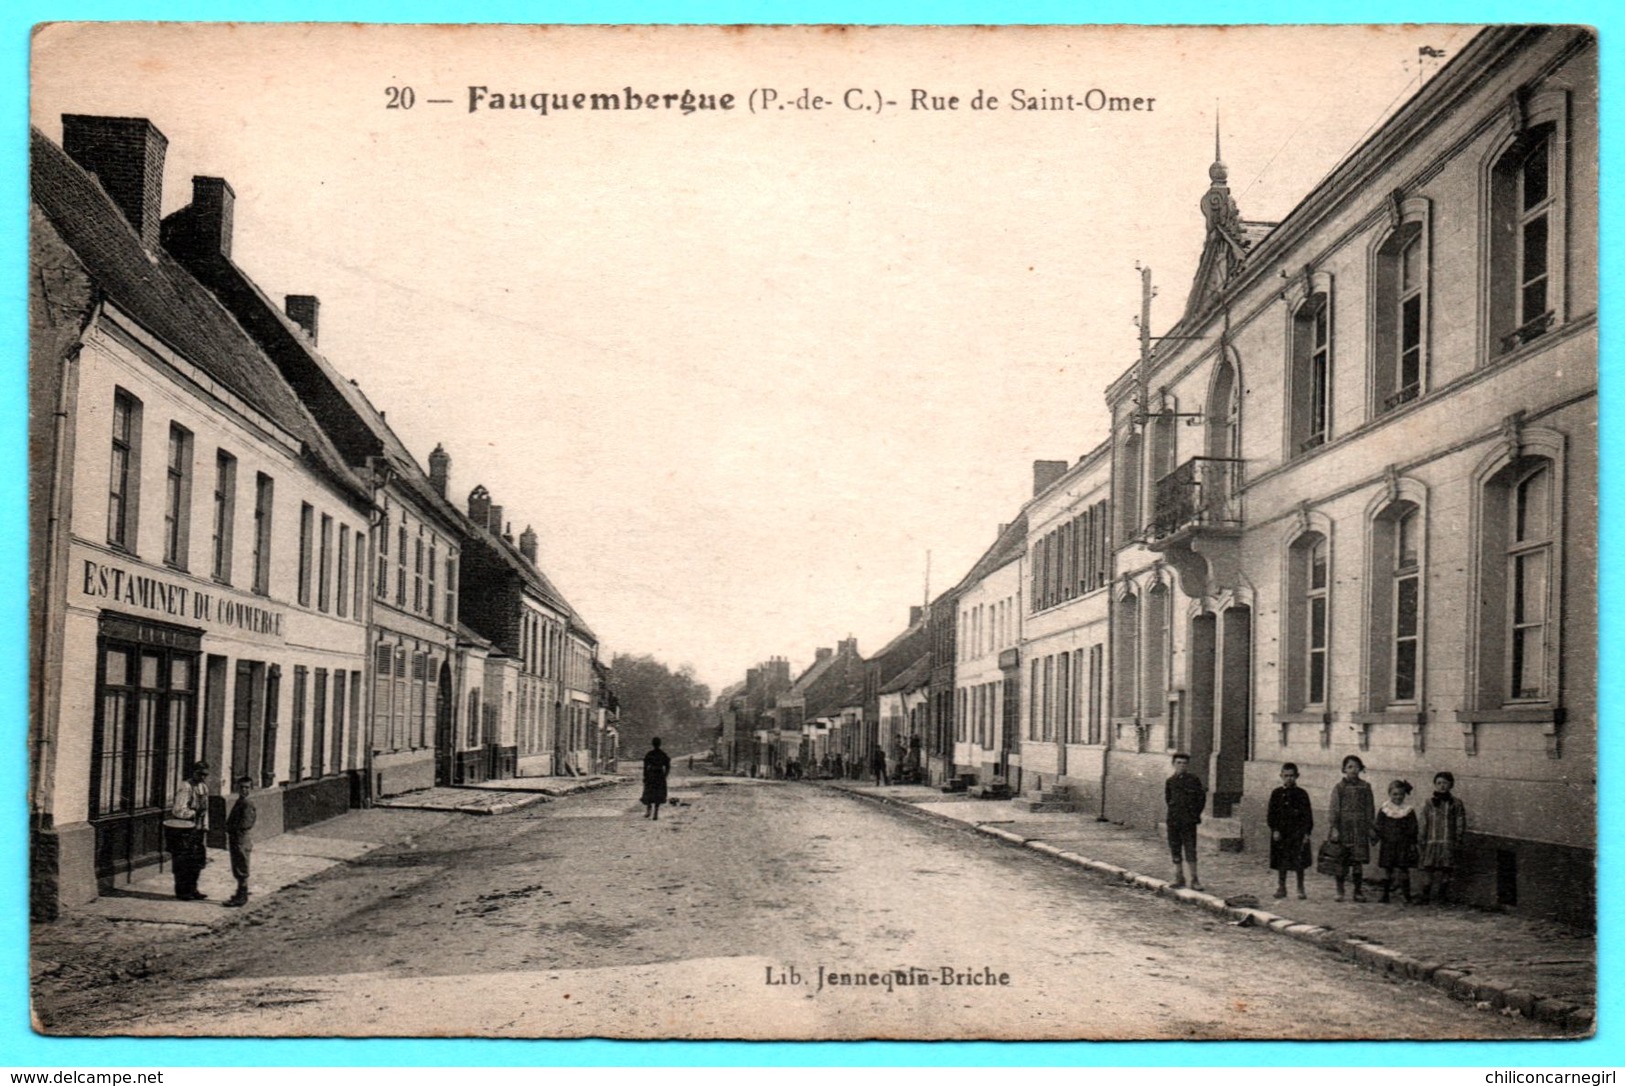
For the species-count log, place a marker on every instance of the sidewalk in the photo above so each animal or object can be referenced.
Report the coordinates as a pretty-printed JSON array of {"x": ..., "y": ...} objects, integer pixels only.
[
  {"x": 278, "y": 863},
  {"x": 1513, "y": 964}
]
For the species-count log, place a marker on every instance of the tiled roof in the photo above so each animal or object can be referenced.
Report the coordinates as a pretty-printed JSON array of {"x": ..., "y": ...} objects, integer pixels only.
[
  {"x": 915, "y": 675},
  {"x": 155, "y": 290}
]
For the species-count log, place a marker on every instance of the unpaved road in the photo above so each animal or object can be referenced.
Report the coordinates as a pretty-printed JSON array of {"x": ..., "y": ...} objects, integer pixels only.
[{"x": 581, "y": 918}]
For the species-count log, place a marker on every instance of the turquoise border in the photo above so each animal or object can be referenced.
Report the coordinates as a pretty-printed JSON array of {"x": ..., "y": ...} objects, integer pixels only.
[{"x": 21, "y": 1048}]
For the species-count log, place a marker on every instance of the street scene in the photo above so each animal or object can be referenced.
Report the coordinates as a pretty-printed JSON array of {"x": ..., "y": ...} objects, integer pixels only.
[
  {"x": 765, "y": 534},
  {"x": 716, "y": 922}
]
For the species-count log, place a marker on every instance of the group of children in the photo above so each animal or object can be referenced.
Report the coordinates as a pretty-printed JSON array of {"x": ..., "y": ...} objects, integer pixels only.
[{"x": 1407, "y": 838}]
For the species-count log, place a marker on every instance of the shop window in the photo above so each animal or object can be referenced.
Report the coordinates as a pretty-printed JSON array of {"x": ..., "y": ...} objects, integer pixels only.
[{"x": 145, "y": 726}]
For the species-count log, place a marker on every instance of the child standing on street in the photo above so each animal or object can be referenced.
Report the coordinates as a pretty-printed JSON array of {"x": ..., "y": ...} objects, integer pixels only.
[
  {"x": 240, "y": 839},
  {"x": 1353, "y": 818},
  {"x": 1444, "y": 829},
  {"x": 1396, "y": 837},
  {"x": 1291, "y": 820},
  {"x": 1185, "y": 797}
]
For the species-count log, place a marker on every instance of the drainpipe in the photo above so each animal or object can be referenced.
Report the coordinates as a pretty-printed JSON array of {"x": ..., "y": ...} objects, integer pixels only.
[
  {"x": 378, "y": 474},
  {"x": 53, "y": 584}
]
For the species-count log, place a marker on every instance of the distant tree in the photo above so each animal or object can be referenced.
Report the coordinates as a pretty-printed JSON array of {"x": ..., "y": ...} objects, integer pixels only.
[{"x": 658, "y": 701}]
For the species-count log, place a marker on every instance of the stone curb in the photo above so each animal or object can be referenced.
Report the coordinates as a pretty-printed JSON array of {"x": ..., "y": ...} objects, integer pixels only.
[{"x": 1483, "y": 992}]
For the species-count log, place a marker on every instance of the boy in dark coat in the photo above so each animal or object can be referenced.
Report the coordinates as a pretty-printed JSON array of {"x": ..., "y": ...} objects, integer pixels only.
[
  {"x": 1291, "y": 820},
  {"x": 240, "y": 839},
  {"x": 1186, "y": 797}
]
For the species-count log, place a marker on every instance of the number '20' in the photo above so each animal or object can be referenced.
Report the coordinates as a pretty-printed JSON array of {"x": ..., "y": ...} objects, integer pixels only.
[{"x": 399, "y": 98}]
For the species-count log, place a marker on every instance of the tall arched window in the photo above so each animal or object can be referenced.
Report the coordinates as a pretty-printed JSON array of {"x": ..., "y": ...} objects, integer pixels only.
[
  {"x": 1517, "y": 636},
  {"x": 1224, "y": 414},
  {"x": 1529, "y": 568},
  {"x": 1399, "y": 317},
  {"x": 1155, "y": 675},
  {"x": 1311, "y": 373},
  {"x": 1528, "y": 184},
  {"x": 1125, "y": 657},
  {"x": 1128, "y": 484},
  {"x": 1395, "y": 609},
  {"x": 1308, "y": 655}
]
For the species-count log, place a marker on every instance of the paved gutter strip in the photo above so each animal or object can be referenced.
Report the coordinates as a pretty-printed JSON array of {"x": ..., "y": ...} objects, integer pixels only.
[{"x": 1462, "y": 984}]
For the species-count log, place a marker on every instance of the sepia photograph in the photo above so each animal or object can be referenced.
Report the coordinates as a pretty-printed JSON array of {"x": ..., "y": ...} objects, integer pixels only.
[{"x": 813, "y": 533}]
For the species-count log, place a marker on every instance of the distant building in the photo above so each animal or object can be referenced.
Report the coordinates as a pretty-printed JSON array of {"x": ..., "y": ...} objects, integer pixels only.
[
  {"x": 987, "y": 674},
  {"x": 1064, "y": 586}
]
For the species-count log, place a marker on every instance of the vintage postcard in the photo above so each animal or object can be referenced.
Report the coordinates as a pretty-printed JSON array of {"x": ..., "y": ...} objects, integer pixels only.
[{"x": 813, "y": 533}]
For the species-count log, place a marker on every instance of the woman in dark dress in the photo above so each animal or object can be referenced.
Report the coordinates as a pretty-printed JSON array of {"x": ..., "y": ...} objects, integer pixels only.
[
  {"x": 1291, "y": 820},
  {"x": 656, "y": 768}
]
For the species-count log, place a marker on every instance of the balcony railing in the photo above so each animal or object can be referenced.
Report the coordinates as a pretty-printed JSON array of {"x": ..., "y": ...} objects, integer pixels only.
[{"x": 1200, "y": 493}]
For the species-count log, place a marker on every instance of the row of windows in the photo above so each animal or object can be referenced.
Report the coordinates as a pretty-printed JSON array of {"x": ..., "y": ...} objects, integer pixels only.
[
  {"x": 980, "y": 713},
  {"x": 406, "y": 696},
  {"x": 1072, "y": 559},
  {"x": 541, "y": 645},
  {"x": 413, "y": 578},
  {"x": 1065, "y": 696},
  {"x": 987, "y": 627},
  {"x": 1514, "y": 600},
  {"x": 1525, "y": 249},
  {"x": 323, "y": 557},
  {"x": 319, "y": 738},
  {"x": 1525, "y": 300}
]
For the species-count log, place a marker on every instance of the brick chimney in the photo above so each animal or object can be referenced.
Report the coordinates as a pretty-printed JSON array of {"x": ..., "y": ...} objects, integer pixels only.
[
  {"x": 302, "y": 310},
  {"x": 527, "y": 544},
  {"x": 915, "y": 614},
  {"x": 479, "y": 506},
  {"x": 1045, "y": 472},
  {"x": 495, "y": 521},
  {"x": 127, "y": 156},
  {"x": 203, "y": 227},
  {"x": 850, "y": 645},
  {"x": 823, "y": 654},
  {"x": 439, "y": 469}
]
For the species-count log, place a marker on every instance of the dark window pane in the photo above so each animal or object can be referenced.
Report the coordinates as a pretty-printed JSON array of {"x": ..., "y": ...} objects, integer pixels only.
[
  {"x": 1405, "y": 608},
  {"x": 1317, "y": 623},
  {"x": 1536, "y": 173},
  {"x": 1535, "y": 232},
  {"x": 1317, "y": 678},
  {"x": 1405, "y": 671}
]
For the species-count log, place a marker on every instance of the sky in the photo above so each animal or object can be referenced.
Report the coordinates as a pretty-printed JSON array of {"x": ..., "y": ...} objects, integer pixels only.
[{"x": 747, "y": 372}]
